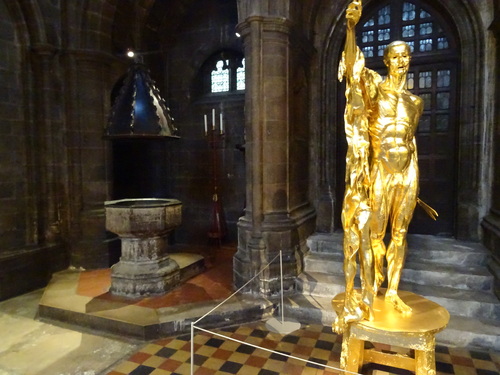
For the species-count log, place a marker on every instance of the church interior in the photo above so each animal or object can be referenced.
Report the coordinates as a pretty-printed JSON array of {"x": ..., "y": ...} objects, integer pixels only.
[{"x": 228, "y": 115}]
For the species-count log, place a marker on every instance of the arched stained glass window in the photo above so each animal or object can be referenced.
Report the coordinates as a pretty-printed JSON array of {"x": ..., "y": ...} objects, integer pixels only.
[
  {"x": 432, "y": 76},
  {"x": 407, "y": 21},
  {"x": 220, "y": 76},
  {"x": 225, "y": 72},
  {"x": 240, "y": 76}
]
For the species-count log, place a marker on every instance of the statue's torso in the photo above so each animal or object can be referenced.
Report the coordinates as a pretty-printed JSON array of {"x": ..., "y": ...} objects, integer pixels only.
[{"x": 393, "y": 124}]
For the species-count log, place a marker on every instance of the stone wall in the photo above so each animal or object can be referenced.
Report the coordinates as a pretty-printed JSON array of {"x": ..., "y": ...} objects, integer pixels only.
[
  {"x": 202, "y": 32},
  {"x": 279, "y": 216},
  {"x": 60, "y": 60},
  {"x": 14, "y": 220},
  {"x": 58, "y": 67},
  {"x": 31, "y": 189},
  {"x": 491, "y": 222}
]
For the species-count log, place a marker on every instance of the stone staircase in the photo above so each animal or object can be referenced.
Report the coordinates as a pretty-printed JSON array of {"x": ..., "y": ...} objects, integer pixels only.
[{"x": 451, "y": 273}]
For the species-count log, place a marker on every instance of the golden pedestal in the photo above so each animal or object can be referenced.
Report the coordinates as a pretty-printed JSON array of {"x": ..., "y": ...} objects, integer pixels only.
[{"x": 416, "y": 331}]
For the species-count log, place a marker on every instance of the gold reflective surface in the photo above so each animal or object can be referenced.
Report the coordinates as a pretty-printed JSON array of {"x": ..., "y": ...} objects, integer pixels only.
[
  {"x": 415, "y": 331},
  {"x": 426, "y": 316},
  {"x": 381, "y": 118}
]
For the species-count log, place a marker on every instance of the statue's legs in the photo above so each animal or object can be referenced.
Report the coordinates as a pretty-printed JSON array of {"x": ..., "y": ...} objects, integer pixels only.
[
  {"x": 352, "y": 310},
  {"x": 356, "y": 222},
  {"x": 366, "y": 268},
  {"x": 394, "y": 195},
  {"x": 378, "y": 222},
  {"x": 404, "y": 198}
]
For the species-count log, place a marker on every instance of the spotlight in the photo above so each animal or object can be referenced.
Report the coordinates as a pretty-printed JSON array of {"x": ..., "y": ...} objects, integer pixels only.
[
  {"x": 238, "y": 35},
  {"x": 130, "y": 53}
]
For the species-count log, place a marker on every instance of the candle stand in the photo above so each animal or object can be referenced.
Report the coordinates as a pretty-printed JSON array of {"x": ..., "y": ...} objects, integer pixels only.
[{"x": 215, "y": 137}]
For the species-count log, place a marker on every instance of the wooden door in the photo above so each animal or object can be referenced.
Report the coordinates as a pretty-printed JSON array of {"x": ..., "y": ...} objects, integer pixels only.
[{"x": 433, "y": 76}]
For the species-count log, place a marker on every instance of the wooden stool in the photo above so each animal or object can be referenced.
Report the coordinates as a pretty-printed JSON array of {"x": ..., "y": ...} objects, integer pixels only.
[{"x": 416, "y": 332}]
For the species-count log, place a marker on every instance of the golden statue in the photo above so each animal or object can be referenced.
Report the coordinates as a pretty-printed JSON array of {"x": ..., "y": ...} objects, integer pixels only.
[{"x": 381, "y": 119}]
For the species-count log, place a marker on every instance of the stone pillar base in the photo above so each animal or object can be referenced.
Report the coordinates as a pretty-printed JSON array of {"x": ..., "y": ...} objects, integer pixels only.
[
  {"x": 256, "y": 252},
  {"x": 491, "y": 239},
  {"x": 144, "y": 249},
  {"x": 147, "y": 278}
]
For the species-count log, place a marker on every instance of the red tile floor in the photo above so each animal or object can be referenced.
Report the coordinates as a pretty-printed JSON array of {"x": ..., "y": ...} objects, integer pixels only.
[
  {"x": 316, "y": 343},
  {"x": 214, "y": 354},
  {"x": 213, "y": 284}
]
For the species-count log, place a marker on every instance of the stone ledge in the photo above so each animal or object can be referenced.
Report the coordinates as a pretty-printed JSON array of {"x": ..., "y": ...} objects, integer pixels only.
[
  {"x": 35, "y": 264},
  {"x": 90, "y": 307}
]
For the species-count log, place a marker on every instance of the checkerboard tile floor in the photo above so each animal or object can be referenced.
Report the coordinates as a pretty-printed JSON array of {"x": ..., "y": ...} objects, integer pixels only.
[{"x": 216, "y": 355}]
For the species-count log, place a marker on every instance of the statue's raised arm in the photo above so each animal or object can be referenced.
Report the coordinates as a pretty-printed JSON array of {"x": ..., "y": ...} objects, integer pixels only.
[
  {"x": 353, "y": 14},
  {"x": 381, "y": 183},
  {"x": 356, "y": 211}
]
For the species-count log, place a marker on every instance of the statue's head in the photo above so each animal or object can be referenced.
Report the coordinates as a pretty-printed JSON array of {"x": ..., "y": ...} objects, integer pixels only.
[{"x": 397, "y": 56}]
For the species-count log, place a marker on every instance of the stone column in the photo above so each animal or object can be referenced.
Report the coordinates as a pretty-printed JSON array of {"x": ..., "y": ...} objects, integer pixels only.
[
  {"x": 491, "y": 223},
  {"x": 47, "y": 142},
  {"x": 329, "y": 205},
  {"x": 277, "y": 216},
  {"x": 89, "y": 80}
]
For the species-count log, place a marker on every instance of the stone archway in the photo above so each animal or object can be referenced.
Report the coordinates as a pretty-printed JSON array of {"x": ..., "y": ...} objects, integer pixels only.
[{"x": 464, "y": 18}]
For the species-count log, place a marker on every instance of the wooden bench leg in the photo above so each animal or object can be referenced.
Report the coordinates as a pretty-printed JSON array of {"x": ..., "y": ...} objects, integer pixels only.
[{"x": 351, "y": 357}]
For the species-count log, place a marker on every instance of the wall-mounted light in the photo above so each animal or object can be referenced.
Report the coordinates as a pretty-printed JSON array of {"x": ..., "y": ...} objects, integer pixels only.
[{"x": 134, "y": 54}]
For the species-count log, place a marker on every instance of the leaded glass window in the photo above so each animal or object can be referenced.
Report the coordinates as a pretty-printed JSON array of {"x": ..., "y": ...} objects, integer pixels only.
[
  {"x": 384, "y": 15},
  {"x": 223, "y": 72},
  {"x": 220, "y": 77},
  {"x": 408, "y": 11},
  {"x": 425, "y": 45},
  {"x": 408, "y": 31},
  {"x": 384, "y": 34},
  {"x": 407, "y": 21},
  {"x": 367, "y": 51},
  {"x": 426, "y": 28},
  {"x": 367, "y": 36},
  {"x": 240, "y": 76},
  {"x": 410, "y": 81},
  {"x": 432, "y": 76},
  {"x": 424, "y": 14},
  {"x": 427, "y": 98},
  {"x": 425, "y": 80},
  {"x": 442, "y": 43},
  {"x": 381, "y": 48},
  {"x": 443, "y": 78}
]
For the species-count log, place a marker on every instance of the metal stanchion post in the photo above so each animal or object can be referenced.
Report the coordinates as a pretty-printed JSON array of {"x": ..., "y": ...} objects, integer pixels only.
[{"x": 273, "y": 324}]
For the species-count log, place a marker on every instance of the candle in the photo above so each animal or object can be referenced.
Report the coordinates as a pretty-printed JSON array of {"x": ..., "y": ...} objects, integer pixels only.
[
  {"x": 205, "y": 124},
  {"x": 221, "y": 124},
  {"x": 213, "y": 118}
]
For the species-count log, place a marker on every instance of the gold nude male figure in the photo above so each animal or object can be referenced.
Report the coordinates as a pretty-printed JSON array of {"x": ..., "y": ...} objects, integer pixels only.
[
  {"x": 394, "y": 168},
  {"x": 381, "y": 119}
]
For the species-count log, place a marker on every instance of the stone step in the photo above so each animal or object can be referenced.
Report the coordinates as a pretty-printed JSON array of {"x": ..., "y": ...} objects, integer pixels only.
[
  {"x": 460, "y": 332},
  {"x": 458, "y": 277},
  {"x": 320, "y": 284},
  {"x": 322, "y": 262},
  {"x": 461, "y": 277},
  {"x": 421, "y": 248},
  {"x": 325, "y": 243},
  {"x": 472, "y": 333},
  {"x": 449, "y": 272},
  {"x": 309, "y": 309},
  {"x": 446, "y": 250},
  {"x": 469, "y": 303}
]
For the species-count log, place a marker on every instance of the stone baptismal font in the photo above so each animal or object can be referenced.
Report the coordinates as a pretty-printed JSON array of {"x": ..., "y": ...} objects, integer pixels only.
[
  {"x": 139, "y": 127},
  {"x": 145, "y": 267}
]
